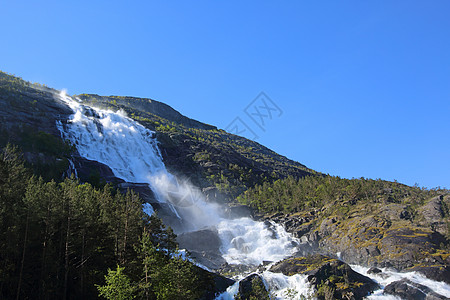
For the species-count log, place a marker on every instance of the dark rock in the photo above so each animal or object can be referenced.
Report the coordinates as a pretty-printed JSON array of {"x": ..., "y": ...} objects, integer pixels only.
[
  {"x": 89, "y": 170},
  {"x": 142, "y": 189},
  {"x": 212, "y": 194},
  {"x": 221, "y": 283},
  {"x": 438, "y": 273},
  {"x": 212, "y": 284},
  {"x": 302, "y": 230},
  {"x": 328, "y": 275},
  {"x": 238, "y": 211},
  {"x": 204, "y": 246},
  {"x": 236, "y": 269},
  {"x": 405, "y": 215},
  {"x": 201, "y": 240},
  {"x": 432, "y": 213},
  {"x": 252, "y": 287},
  {"x": 409, "y": 290},
  {"x": 374, "y": 270},
  {"x": 37, "y": 108}
]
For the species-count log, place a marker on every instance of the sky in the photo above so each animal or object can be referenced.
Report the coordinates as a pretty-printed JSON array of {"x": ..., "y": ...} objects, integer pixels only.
[{"x": 351, "y": 88}]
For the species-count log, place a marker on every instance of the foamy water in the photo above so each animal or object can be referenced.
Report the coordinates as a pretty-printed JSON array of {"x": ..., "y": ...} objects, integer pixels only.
[
  {"x": 388, "y": 276},
  {"x": 249, "y": 242}
]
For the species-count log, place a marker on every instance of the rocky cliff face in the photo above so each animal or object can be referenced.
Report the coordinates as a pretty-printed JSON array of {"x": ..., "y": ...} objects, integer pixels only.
[
  {"x": 383, "y": 235},
  {"x": 28, "y": 115},
  {"x": 25, "y": 105}
]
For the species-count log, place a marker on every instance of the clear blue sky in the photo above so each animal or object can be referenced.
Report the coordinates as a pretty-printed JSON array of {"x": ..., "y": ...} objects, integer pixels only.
[{"x": 364, "y": 85}]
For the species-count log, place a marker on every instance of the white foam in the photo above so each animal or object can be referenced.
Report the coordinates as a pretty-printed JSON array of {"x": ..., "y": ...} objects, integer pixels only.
[
  {"x": 388, "y": 276},
  {"x": 287, "y": 287},
  {"x": 246, "y": 241}
]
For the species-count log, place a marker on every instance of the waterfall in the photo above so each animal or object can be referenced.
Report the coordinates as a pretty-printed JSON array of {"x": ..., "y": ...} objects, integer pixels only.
[{"x": 132, "y": 153}]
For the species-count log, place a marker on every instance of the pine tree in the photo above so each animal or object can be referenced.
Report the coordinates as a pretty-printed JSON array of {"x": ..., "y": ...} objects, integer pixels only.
[{"x": 118, "y": 286}]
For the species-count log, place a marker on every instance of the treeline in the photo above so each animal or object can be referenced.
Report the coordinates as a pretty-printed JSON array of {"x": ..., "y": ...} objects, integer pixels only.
[
  {"x": 292, "y": 195},
  {"x": 60, "y": 240}
]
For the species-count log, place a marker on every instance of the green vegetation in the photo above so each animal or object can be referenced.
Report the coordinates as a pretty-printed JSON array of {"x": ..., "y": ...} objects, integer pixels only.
[
  {"x": 47, "y": 155},
  {"x": 378, "y": 222},
  {"x": 253, "y": 290},
  {"x": 59, "y": 240},
  {"x": 16, "y": 92},
  {"x": 118, "y": 286},
  {"x": 293, "y": 195}
]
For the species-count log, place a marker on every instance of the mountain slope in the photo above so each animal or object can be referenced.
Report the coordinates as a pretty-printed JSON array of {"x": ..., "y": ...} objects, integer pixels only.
[
  {"x": 371, "y": 222},
  {"x": 222, "y": 164}
]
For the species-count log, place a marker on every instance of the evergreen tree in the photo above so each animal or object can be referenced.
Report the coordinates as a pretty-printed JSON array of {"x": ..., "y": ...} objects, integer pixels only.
[{"x": 118, "y": 286}]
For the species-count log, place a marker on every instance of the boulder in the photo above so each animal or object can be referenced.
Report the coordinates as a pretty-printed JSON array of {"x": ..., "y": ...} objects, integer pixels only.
[
  {"x": 204, "y": 246},
  {"x": 330, "y": 277},
  {"x": 238, "y": 211},
  {"x": 211, "y": 283},
  {"x": 374, "y": 270},
  {"x": 435, "y": 272},
  {"x": 90, "y": 171},
  {"x": 252, "y": 287},
  {"x": 409, "y": 290}
]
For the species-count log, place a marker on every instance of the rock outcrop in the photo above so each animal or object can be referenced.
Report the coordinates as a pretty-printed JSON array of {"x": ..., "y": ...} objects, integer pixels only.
[
  {"x": 390, "y": 235},
  {"x": 252, "y": 287},
  {"x": 204, "y": 246},
  {"x": 332, "y": 278},
  {"x": 409, "y": 290}
]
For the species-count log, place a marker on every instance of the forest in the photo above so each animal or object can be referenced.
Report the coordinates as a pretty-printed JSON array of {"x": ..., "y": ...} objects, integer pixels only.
[
  {"x": 67, "y": 240},
  {"x": 291, "y": 195}
]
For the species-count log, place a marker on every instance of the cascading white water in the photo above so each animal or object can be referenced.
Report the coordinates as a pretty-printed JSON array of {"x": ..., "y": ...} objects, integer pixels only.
[
  {"x": 248, "y": 242},
  {"x": 389, "y": 276},
  {"x": 131, "y": 151}
]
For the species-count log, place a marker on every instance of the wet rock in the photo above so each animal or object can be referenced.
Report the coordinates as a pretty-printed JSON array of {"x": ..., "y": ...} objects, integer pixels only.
[
  {"x": 212, "y": 194},
  {"x": 252, "y": 287},
  {"x": 230, "y": 270},
  {"x": 303, "y": 230},
  {"x": 221, "y": 284},
  {"x": 374, "y": 270},
  {"x": 206, "y": 239},
  {"x": 142, "y": 189},
  {"x": 211, "y": 283},
  {"x": 238, "y": 211},
  {"x": 409, "y": 290},
  {"x": 204, "y": 246},
  {"x": 331, "y": 277},
  {"x": 438, "y": 272},
  {"x": 90, "y": 170}
]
